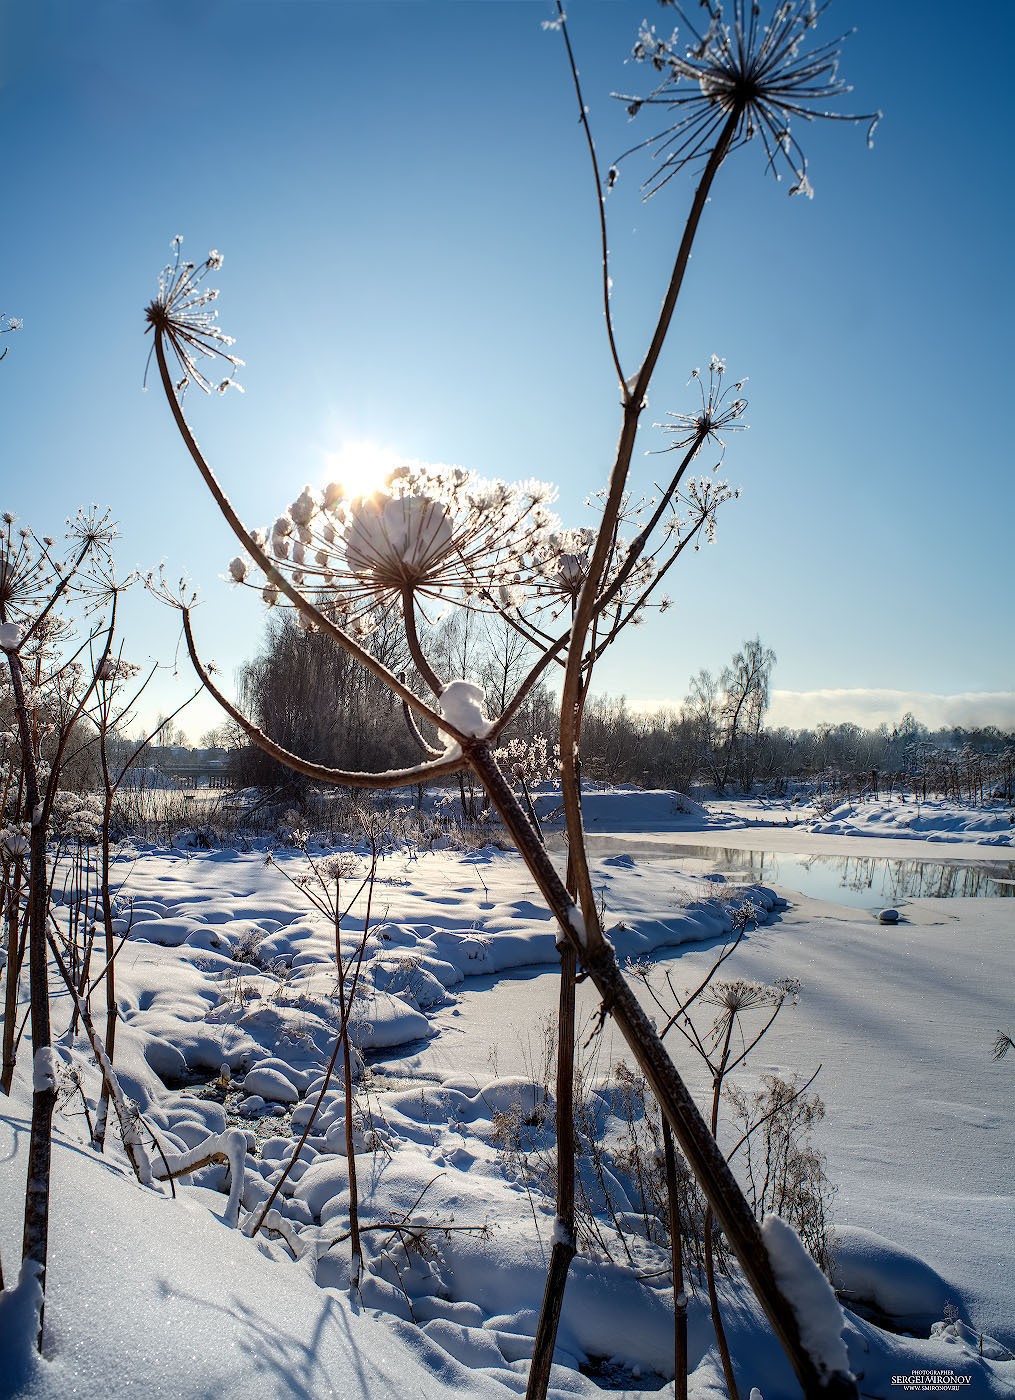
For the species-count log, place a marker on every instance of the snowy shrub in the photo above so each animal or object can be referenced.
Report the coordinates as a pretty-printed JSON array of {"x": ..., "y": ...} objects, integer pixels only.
[
  {"x": 246, "y": 947},
  {"x": 785, "y": 1172},
  {"x": 621, "y": 1141}
]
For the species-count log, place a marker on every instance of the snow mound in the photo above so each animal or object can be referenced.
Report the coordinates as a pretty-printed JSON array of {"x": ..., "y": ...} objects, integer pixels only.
[
  {"x": 154, "y": 1296},
  {"x": 872, "y": 1270},
  {"x": 936, "y": 819},
  {"x": 168, "y": 933},
  {"x": 271, "y": 1085},
  {"x": 636, "y": 810}
]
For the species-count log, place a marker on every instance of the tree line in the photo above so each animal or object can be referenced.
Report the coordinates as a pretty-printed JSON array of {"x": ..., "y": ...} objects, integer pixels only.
[{"x": 308, "y": 697}]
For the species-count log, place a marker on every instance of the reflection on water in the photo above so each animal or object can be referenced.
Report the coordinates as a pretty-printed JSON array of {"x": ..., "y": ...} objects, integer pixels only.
[{"x": 862, "y": 882}]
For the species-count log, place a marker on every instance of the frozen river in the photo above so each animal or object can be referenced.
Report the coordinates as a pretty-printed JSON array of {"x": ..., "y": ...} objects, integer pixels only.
[{"x": 919, "y": 1132}]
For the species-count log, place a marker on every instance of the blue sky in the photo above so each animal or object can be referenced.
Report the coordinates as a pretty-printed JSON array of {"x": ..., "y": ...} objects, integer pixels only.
[{"x": 404, "y": 205}]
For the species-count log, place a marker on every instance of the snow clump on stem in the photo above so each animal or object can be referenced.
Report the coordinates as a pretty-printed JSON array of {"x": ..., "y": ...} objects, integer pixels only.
[
  {"x": 463, "y": 705},
  {"x": 810, "y": 1295}
]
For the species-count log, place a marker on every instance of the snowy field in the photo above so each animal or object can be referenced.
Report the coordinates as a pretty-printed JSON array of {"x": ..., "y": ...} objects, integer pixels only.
[{"x": 227, "y": 965}]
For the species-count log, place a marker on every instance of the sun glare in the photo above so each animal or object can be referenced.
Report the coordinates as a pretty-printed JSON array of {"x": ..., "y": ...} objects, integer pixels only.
[{"x": 361, "y": 467}]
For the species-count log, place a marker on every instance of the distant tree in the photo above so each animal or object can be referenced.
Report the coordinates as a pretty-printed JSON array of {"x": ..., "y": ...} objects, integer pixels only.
[
  {"x": 508, "y": 657},
  {"x": 727, "y": 715},
  {"x": 702, "y": 708},
  {"x": 312, "y": 698},
  {"x": 744, "y": 683},
  {"x": 220, "y": 736},
  {"x": 169, "y": 735}
]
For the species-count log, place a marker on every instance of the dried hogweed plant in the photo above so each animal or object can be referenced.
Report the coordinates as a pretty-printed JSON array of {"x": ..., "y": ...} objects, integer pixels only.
[
  {"x": 433, "y": 537},
  {"x": 57, "y": 615},
  {"x": 58, "y": 618}
]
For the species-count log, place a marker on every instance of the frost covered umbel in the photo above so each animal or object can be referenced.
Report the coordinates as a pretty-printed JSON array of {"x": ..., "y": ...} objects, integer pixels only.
[
  {"x": 182, "y": 314},
  {"x": 7, "y": 325},
  {"x": 737, "y": 77},
  {"x": 34, "y": 570},
  {"x": 433, "y": 533}
]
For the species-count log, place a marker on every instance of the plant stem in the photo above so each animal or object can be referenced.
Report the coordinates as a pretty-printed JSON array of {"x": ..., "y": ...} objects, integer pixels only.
[
  {"x": 15, "y": 949},
  {"x": 588, "y": 600},
  {"x": 356, "y": 1266},
  {"x": 689, "y": 1128},
  {"x": 35, "y": 1243},
  {"x": 676, "y": 1267}
]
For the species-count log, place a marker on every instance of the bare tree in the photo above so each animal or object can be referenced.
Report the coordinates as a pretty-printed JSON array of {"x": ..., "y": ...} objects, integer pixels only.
[
  {"x": 727, "y": 715},
  {"x": 703, "y": 709},
  {"x": 745, "y": 683},
  {"x": 312, "y": 698}
]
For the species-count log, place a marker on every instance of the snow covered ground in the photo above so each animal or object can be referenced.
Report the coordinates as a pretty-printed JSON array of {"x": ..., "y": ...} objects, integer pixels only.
[
  {"x": 226, "y": 964},
  {"x": 895, "y": 823}
]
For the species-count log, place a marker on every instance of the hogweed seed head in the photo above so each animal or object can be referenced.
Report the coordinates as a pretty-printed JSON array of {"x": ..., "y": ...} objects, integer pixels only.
[
  {"x": 758, "y": 75},
  {"x": 722, "y": 411},
  {"x": 181, "y": 316},
  {"x": 432, "y": 532}
]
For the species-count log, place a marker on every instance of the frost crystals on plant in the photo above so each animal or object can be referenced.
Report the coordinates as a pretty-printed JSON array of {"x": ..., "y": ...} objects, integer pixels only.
[
  {"x": 755, "y": 76},
  {"x": 181, "y": 314}
]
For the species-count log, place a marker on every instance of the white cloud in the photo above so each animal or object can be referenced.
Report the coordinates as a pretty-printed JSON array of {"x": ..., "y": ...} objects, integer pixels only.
[{"x": 804, "y": 709}]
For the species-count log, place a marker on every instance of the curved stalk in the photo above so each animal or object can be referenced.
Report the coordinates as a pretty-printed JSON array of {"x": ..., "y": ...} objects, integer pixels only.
[
  {"x": 583, "y": 117},
  {"x": 396, "y": 777},
  {"x": 415, "y": 735}
]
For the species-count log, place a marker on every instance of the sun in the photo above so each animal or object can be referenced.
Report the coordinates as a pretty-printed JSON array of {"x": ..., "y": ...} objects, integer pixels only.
[{"x": 361, "y": 468}]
